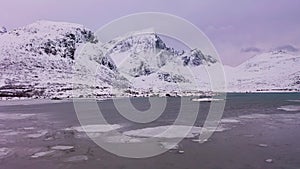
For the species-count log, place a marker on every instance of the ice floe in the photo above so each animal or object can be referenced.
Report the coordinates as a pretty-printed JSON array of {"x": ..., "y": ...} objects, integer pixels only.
[
  {"x": 38, "y": 134},
  {"x": 298, "y": 101},
  {"x": 13, "y": 116},
  {"x": 4, "y": 152},
  {"x": 262, "y": 145},
  {"x": 122, "y": 139},
  {"x": 172, "y": 131},
  {"x": 99, "y": 128},
  {"x": 10, "y": 132},
  {"x": 169, "y": 131},
  {"x": 200, "y": 141},
  {"x": 289, "y": 108},
  {"x": 254, "y": 116},
  {"x": 169, "y": 145},
  {"x": 77, "y": 158},
  {"x": 62, "y": 147},
  {"x": 43, "y": 153},
  {"x": 28, "y": 128},
  {"x": 205, "y": 99},
  {"x": 230, "y": 120},
  {"x": 269, "y": 160}
]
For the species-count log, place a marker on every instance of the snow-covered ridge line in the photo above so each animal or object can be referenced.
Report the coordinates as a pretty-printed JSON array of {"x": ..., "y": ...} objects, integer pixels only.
[{"x": 61, "y": 60}]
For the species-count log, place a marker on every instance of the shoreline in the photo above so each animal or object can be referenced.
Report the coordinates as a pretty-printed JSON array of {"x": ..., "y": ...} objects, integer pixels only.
[{"x": 33, "y": 101}]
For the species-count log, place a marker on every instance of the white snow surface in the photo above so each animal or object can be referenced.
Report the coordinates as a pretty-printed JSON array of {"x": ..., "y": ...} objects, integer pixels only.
[{"x": 49, "y": 59}]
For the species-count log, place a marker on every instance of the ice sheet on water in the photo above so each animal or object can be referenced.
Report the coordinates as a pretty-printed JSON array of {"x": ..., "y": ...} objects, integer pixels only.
[
  {"x": 62, "y": 147},
  {"x": 38, "y": 134},
  {"x": 97, "y": 128},
  {"x": 122, "y": 139},
  {"x": 12, "y": 133},
  {"x": 254, "y": 116},
  {"x": 42, "y": 154},
  {"x": 4, "y": 152},
  {"x": 28, "y": 128},
  {"x": 230, "y": 120},
  {"x": 14, "y": 116},
  {"x": 205, "y": 99},
  {"x": 172, "y": 131},
  {"x": 77, "y": 158},
  {"x": 169, "y": 145},
  {"x": 289, "y": 108},
  {"x": 298, "y": 101},
  {"x": 168, "y": 131}
]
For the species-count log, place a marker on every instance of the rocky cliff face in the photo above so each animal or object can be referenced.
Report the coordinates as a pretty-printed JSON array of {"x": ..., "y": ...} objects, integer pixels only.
[{"x": 39, "y": 60}]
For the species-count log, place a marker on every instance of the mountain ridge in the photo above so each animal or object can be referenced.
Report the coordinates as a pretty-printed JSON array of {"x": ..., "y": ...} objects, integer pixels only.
[{"x": 42, "y": 59}]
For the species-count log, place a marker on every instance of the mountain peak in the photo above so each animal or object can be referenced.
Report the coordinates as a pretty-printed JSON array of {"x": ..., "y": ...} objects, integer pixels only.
[
  {"x": 138, "y": 42},
  {"x": 46, "y": 38}
]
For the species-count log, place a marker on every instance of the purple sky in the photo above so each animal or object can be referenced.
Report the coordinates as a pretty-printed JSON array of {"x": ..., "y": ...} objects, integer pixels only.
[{"x": 238, "y": 29}]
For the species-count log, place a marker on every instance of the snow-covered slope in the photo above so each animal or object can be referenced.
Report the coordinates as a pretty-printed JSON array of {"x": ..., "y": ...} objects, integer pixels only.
[
  {"x": 39, "y": 60},
  {"x": 150, "y": 65},
  {"x": 57, "y": 59},
  {"x": 276, "y": 70}
]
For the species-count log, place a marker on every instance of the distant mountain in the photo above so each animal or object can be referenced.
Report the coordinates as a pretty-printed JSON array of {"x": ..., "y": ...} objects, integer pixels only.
[
  {"x": 151, "y": 65},
  {"x": 275, "y": 70},
  {"x": 56, "y": 59}
]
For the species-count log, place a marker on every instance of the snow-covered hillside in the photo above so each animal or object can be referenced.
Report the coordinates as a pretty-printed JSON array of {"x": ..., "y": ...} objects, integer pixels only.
[
  {"x": 57, "y": 59},
  {"x": 151, "y": 65},
  {"x": 38, "y": 60},
  {"x": 276, "y": 70}
]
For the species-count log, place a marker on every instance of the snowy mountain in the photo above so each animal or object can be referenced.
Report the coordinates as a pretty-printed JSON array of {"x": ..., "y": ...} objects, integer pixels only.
[
  {"x": 275, "y": 70},
  {"x": 39, "y": 60},
  {"x": 146, "y": 61},
  {"x": 56, "y": 59}
]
